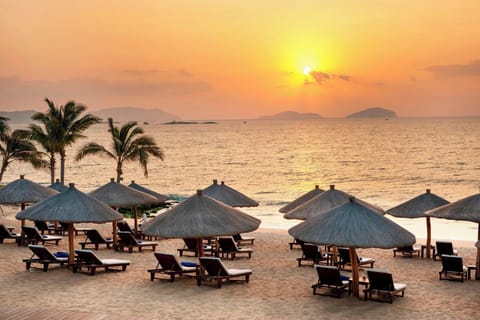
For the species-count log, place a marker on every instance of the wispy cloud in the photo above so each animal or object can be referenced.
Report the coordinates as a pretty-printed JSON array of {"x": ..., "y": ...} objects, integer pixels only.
[
  {"x": 471, "y": 69},
  {"x": 321, "y": 77}
]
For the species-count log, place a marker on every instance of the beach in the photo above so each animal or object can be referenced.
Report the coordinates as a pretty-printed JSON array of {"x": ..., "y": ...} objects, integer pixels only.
[{"x": 278, "y": 288}]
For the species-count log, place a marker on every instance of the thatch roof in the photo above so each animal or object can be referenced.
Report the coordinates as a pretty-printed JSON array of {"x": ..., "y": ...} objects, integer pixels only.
[
  {"x": 352, "y": 225},
  {"x": 301, "y": 200},
  {"x": 323, "y": 202},
  {"x": 228, "y": 195},
  {"x": 120, "y": 196},
  {"x": 24, "y": 191},
  {"x": 70, "y": 206},
  {"x": 58, "y": 186},
  {"x": 466, "y": 209},
  {"x": 160, "y": 197},
  {"x": 200, "y": 216},
  {"x": 416, "y": 207}
]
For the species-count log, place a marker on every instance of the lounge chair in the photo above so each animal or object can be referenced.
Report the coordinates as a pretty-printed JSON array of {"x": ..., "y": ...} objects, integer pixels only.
[
  {"x": 33, "y": 236},
  {"x": 128, "y": 240},
  {"x": 239, "y": 239},
  {"x": 43, "y": 226},
  {"x": 381, "y": 284},
  {"x": 191, "y": 245},
  {"x": 94, "y": 237},
  {"x": 170, "y": 266},
  {"x": 344, "y": 255},
  {"x": 452, "y": 268},
  {"x": 228, "y": 247},
  {"x": 313, "y": 253},
  {"x": 63, "y": 229},
  {"x": 216, "y": 271},
  {"x": 408, "y": 251},
  {"x": 330, "y": 279},
  {"x": 444, "y": 247},
  {"x": 296, "y": 243},
  {"x": 5, "y": 233},
  {"x": 88, "y": 259},
  {"x": 41, "y": 255}
]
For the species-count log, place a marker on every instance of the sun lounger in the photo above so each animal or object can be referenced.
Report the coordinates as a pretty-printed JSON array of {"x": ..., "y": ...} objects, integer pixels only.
[
  {"x": 313, "y": 253},
  {"x": 344, "y": 254},
  {"x": 33, "y": 236},
  {"x": 5, "y": 233},
  {"x": 228, "y": 247},
  {"x": 94, "y": 237},
  {"x": 330, "y": 281},
  {"x": 240, "y": 239},
  {"x": 408, "y": 251},
  {"x": 452, "y": 268},
  {"x": 128, "y": 240},
  {"x": 216, "y": 271},
  {"x": 444, "y": 247},
  {"x": 168, "y": 264},
  {"x": 42, "y": 256},
  {"x": 43, "y": 226},
  {"x": 381, "y": 284},
  {"x": 296, "y": 243},
  {"x": 191, "y": 245},
  {"x": 89, "y": 260}
]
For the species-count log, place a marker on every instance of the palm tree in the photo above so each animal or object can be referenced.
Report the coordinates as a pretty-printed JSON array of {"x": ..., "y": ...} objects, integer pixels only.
[
  {"x": 3, "y": 125},
  {"x": 63, "y": 126},
  {"x": 15, "y": 146},
  {"x": 129, "y": 143}
]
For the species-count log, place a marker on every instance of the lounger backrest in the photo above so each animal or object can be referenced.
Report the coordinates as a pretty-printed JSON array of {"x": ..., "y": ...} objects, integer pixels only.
[
  {"x": 89, "y": 257},
  {"x": 94, "y": 236},
  {"x": 41, "y": 225},
  {"x": 191, "y": 243},
  {"x": 344, "y": 254},
  {"x": 31, "y": 233},
  {"x": 124, "y": 226},
  {"x": 214, "y": 266},
  {"x": 4, "y": 233},
  {"x": 237, "y": 237},
  {"x": 227, "y": 244},
  {"x": 168, "y": 261},
  {"x": 444, "y": 247},
  {"x": 311, "y": 251},
  {"x": 328, "y": 275},
  {"x": 42, "y": 252},
  {"x": 452, "y": 263},
  {"x": 406, "y": 248},
  {"x": 380, "y": 280},
  {"x": 127, "y": 238}
]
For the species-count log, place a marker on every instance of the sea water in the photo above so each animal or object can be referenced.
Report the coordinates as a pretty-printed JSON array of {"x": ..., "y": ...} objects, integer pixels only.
[{"x": 382, "y": 161}]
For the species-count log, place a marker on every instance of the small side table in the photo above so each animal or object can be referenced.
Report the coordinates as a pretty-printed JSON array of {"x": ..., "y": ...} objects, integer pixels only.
[
  {"x": 471, "y": 267},
  {"x": 424, "y": 248}
]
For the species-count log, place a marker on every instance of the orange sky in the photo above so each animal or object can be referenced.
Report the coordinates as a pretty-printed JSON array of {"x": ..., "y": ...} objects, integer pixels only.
[{"x": 218, "y": 59}]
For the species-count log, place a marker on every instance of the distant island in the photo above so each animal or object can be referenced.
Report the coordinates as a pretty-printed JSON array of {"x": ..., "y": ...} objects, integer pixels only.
[
  {"x": 189, "y": 122},
  {"x": 141, "y": 115},
  {"x": 24, "y": 116},
  {"x": 291, "y": 115},
  {"x": 373, "y": 113}
]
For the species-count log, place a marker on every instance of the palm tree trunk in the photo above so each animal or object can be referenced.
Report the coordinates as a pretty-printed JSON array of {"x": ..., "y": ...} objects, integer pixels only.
[
  {"x": 119, "y": 172},
  {"x": 52, "y": 168},
  {"x": 62, "y": 166},
  {"x": 3, "y": 169}
]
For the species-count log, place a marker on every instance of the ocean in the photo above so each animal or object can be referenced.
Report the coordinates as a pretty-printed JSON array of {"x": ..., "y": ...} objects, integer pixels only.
[{"x": 382, "y": 161}]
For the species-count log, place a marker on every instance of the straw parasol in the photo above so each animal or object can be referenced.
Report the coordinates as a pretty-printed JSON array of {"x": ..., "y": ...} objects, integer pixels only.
[
  {"x": 160, "y": 197},
  {"x": 120, "y": 196},
  {"x": 71, "y": 206},
  {"x": 323, "y": 202},
  {"x": 58, "y": 186},
  {"x": 301, "y": 200},
  {"x": 466, "y": 209},
  {"x": 416, "y": 207},
  {"x": 200, "y": 217},
  {"x": 228, "y": 195},
  {"x": 353, "y": 225}
]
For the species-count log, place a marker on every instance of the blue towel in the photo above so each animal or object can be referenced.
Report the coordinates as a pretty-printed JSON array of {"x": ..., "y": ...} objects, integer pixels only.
[
  {"x": 344, "y": 278},
  {"x": 61, "y": 254},
  {"x": 108, "y": 239},
  {"x": 188, "y": 264},
  {"x": 44, "y": 237}
]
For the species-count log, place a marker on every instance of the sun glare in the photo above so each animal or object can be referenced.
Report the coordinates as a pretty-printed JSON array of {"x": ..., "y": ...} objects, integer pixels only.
[{"x": 307, "y": 70}]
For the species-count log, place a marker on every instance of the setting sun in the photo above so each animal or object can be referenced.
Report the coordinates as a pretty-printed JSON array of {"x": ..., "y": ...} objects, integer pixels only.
[{"x": 307, "y": 70}]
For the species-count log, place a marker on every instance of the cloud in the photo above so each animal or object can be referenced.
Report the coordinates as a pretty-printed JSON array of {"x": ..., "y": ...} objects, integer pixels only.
[
  {"x": 157, "y": 73},
  {"x": 471, "y": 69},
  {"x": 321, "y": 77}
]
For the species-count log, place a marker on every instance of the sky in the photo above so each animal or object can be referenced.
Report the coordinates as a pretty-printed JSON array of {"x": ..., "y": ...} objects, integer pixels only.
[{"x": 228, "y": 59}]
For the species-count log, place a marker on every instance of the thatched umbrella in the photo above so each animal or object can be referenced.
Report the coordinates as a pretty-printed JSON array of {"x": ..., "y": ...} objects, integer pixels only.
[
  {"x": 71, "y": 206},
  {"x": 353, "y": 225},
  {"x": 416, "y": 207},
  {"x": 466, "y": 209},
  {"x": 301, "y": 200},
  {"x": 160, "y": 197},
  {"x": 23, "y": 191},
  {"x": 323, "y": 202},
  {"x": 120, "y": 196},
  {"x": 228, "y": 195},
  {"x": 58, "y": 186},
  {"x": 200, "y": 217}
]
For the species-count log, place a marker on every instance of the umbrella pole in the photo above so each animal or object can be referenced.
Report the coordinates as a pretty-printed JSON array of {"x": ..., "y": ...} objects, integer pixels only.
[
  {"x": 71, "y": 253},
  {"x": 355, "y": 274},
  {"x": 429, "y": 237},
  {"x": 200, "y": 253},
  {"x": 114, "y": 235},
  {"x": 135, "y": 222}
]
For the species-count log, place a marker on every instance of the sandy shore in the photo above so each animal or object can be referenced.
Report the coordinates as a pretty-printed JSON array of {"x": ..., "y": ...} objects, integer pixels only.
[{"x": 278, "y": 288}]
